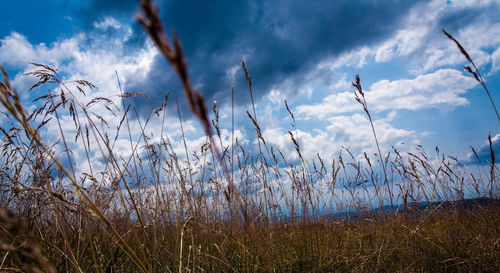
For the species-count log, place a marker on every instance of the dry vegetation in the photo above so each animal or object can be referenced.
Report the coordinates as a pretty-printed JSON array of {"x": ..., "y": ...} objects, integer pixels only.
[{"x": 226, "y": 209}]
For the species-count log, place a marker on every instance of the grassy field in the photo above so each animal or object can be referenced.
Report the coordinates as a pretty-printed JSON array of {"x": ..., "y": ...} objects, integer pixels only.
[{"x": 222, "y": 208}]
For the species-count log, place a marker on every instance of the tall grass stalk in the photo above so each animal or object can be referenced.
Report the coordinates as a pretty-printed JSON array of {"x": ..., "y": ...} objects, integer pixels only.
[{"x": 360, "y": 98}]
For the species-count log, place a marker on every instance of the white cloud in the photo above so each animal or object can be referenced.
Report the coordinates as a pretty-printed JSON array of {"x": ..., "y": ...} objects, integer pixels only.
[
  {"x": 108, "y": 22},
  {"x": 342, "y": 102},
  {"x": 352, "y": 131},
  {"x": 405, "y": 42},
  {"x": 355, "y": 131},
  {"x": 440, "y": 89},
  {"x": 422, "y": 36},
  {"x": 356, "y": 57},
  {"x": 15, "y": 50},
  {"x": 96, "y": 62},
  {"x": 477, "y": 39},
  {"x": 434, "y": 90},
  {"x": 276, "y": 97}
]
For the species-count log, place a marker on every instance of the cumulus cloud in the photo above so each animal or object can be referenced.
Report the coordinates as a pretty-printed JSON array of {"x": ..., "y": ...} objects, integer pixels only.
[
  {"x": 433, "y": 90},
  {"x": 15, "y": 50},
  {"x": 351, "y": 131},
  {"x": 88, "y": 56},
  {"x": 107, "y": 23},
  {"x": 439, "y": 89}
]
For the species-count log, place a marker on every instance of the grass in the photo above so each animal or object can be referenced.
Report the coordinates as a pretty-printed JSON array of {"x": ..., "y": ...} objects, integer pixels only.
[{"x": 156, "y": 211}]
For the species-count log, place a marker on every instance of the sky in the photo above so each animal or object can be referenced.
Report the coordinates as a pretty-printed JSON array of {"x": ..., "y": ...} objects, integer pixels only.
[{"x": 305, "y": 52}]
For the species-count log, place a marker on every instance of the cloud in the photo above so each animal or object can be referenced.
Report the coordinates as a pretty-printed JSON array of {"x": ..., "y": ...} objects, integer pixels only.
[
  {"x": 93, "y": 56},
  {"x": 284, "y": 46},
  {"x": 342, "y": 102},
  {"x": 440, "y": 89},
  {"x": 484, "y": 152},
  {"x": 420, "y": 45},
  {"x": 351, "y": 131},
  {"x": 437, "y": 89},
  {"x": 278, "y": 42},
  {"x": 15, "y": 50},
  {"x": 355, "y": 131},
  {"x": 106, "y": 23},
  {"x": 478, "y": 38}
]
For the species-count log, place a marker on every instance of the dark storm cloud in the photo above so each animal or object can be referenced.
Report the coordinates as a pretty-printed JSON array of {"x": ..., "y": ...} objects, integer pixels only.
[{"x": 278, "y": 39}]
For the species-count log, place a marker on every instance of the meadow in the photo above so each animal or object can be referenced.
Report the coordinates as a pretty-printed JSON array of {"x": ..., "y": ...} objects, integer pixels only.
[{"x": 222, "y": 208}]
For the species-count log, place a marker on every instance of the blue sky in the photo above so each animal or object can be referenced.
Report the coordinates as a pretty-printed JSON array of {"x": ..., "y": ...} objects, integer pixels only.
[{"x": 307, "y": 53}]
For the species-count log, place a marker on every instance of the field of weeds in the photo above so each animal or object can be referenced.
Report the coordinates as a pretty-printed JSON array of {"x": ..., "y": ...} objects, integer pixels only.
[{"x": 222, "y": 208}]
